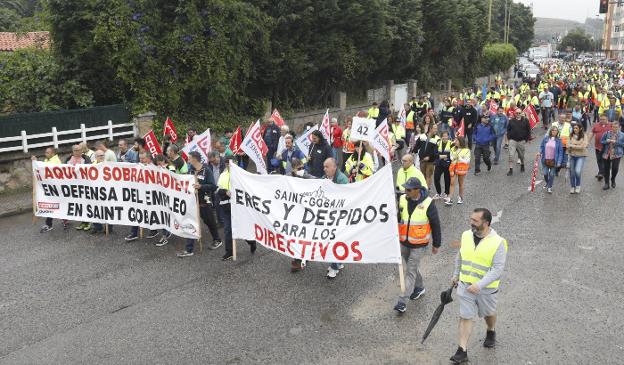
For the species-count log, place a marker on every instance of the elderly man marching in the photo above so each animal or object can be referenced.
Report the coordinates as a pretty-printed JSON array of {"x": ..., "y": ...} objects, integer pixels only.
[
  {"x": 419, "y": 224},
  {"x": 478, "y": 268}
]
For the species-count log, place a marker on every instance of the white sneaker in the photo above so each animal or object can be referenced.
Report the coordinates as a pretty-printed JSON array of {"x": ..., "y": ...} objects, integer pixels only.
[
  {"x": 572, "y": 190},
  {"x": 448, "y": 201},
  {"x": 436, "y": 197},
  {"x": 549, "y": 190},
  {"x": 443, "y": 196},
  {"x": 332, "y": 273},
  {"x": 460, "y": 201},
  {"x": 578, "y": 189}
]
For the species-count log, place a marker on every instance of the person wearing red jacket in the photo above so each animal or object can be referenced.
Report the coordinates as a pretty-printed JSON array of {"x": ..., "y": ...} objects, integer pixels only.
[{"x": 336, "y": 140}]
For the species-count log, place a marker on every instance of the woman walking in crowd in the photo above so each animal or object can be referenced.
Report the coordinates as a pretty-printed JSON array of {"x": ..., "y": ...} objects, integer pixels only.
[
  {"x": 427, "y": 123},
  {"x": 319, "y": 152},
  {"x": 612, "y": 151},
  {"x": 347, "y": 145},
  {"x": 460, "y": 164},
  {"x": 551, "y": 152},
  {"x": 360, "y": 165},
  {"x": 442, "y": 164},
  {"x": 425, "y": 147},
  {"x": 577, "y": 150}
]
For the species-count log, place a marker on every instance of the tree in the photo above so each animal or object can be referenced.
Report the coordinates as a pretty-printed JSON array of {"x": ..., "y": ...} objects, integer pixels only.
[
  {"x": 577, "y": 40},
  {"x": 498, "y": 57},
  {"x": 521, "y": 21},
  {"x": 31, "y": 81},
  {"x": 9, "y": 20}
]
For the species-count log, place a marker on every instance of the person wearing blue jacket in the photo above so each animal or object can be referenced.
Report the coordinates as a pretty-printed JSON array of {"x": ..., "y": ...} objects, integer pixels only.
[
  {"x": 551, "y": 153},
  {"x": 612, "y": 151},
  {"x": 499, "y": 121},
  {"x": 483, "y": 136}
]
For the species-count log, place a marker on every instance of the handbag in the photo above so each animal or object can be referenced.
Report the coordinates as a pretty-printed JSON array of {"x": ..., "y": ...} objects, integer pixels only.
[{"x": 549, "y": 163}]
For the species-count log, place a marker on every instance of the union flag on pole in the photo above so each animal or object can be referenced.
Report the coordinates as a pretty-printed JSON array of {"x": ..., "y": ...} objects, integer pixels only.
[
  {"x": 532, "y": 115},
  {"x": 151, "y": 143},
  {"x": 236, "y": 140},
  {"x": 325, "y": 127},
  {"x": 493, "y": 107},
  {"x": 201, "y": 144},
  {"x": 460, "y": 130},
  {"x": 277, "y": 118},
  {"x": 170, "y": 130},
  {"x": 381, "y": 142},
  {"x": 253, "y": 145},
  {"x": 403, "y": 115}
]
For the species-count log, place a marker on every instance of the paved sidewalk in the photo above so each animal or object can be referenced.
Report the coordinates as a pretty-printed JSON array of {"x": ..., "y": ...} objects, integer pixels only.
[{"x": 15, "y": 203}]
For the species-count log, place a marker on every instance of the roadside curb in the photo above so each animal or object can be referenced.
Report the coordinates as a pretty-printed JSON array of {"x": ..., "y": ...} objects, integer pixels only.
[{"x": 15, "y": 211}]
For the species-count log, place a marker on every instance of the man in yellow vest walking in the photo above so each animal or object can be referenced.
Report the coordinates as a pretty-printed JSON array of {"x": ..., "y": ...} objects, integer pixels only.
[
  {"x": 479, "y": 266},
  {"x": 419, "y": 224}
]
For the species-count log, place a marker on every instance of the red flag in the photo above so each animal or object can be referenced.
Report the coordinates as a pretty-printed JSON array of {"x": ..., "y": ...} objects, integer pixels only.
[
  {"x": 532, "y": 114},
  {"x": 236, "y": 140},
  {"x": 460, "y": 130},
  {"x": 151, "y": 143},
  {"x": 493, "y": 107},
  {"x": 277, "y": 118},
  {"x": 170, "y": 130},
  {"x": 534, "y": 175}
]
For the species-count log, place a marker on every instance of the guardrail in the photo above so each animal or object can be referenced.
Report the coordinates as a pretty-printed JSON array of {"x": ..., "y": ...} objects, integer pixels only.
[{"x": 86, "y": 134}]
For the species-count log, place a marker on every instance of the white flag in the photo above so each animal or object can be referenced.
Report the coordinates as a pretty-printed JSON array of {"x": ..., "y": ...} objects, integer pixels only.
[
  {"x": 305, "y": 140},
  {"x": 201, "y": 144},
  {"x": 381, "y": 142},
  {"x": 325, "y": 127},
  {"x": 253, "y": 145},
  {"x": 403, "y": 115}
]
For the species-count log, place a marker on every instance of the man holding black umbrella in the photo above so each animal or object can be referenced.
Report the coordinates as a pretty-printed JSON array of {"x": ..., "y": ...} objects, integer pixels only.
[{"x": 478, "y": 268}]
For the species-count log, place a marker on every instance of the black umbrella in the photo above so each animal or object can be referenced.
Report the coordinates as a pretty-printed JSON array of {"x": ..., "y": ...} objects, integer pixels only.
[{"x": 445, "y": 298}]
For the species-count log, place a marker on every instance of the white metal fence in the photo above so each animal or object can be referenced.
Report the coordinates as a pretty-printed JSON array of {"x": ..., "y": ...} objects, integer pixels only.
[{"x": 109, "y": 131}]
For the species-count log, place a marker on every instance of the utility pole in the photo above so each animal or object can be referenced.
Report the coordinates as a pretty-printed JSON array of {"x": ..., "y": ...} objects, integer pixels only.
[
  {"x": 490, "y": 18},
  {"x": 508, "y": 23},
  {"x": 505, "y": 24}
]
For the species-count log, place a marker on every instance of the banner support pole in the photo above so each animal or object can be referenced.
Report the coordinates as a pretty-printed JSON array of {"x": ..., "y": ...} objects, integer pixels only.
[
  {"x": 34, "y": 198},
  {"x": 141, "y": 232},
  {"x": 106, "y": 229},
  {"x": 199, "y": 227},
  {"x": 401, "y": 276}
]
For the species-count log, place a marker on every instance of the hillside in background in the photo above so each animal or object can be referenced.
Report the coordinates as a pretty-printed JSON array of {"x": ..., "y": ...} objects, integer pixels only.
[{"x": 546, "y": 28}]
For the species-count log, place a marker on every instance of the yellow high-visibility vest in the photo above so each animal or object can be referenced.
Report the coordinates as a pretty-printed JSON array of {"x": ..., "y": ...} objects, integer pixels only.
[{"x": 477, "y": 261}]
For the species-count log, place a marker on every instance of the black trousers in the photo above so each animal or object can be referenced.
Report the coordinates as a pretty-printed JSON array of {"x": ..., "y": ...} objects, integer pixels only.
[
  {"x": 437, "y": 174},
  {"x": 600, "y": 162},
  {"x": 611, "y": 168},
  {"x": 207, "y": 214},
  {"x": 482, "y": 150}
]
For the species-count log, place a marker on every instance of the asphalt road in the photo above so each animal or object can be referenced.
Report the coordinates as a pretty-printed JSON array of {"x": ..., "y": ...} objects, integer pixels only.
[{"x": 69, "y": 298}]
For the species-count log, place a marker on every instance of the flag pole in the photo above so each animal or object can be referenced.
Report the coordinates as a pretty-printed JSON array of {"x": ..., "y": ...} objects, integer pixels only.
[{"x": 201, "y": 245}]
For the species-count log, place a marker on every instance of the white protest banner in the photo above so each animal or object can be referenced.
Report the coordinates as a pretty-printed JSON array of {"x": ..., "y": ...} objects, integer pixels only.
[
  {"x": 305, "y": 140},
  {"x": 326, "y": 127},
  {"x": 123, "y": 193},
  {"x": 201, "y": 144},
  {"x": 316, "y": 219},
  {"x": 362, "y": 129},
  {"x": 254, "y": 146},
  {"x": 380, "y": 142}
]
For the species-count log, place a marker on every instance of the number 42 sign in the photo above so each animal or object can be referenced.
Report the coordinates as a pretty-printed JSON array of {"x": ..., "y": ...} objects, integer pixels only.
[{"x": 362, "y": 129}]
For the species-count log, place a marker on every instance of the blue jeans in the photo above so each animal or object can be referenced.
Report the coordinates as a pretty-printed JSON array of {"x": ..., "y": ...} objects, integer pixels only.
[
  {"x": 497, "y": 147},
  {"x": 576, "y": 167},
  {"x": 549, "y": 175}
]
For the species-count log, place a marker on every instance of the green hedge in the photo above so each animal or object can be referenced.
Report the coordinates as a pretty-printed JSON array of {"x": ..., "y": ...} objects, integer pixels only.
[{"x": 498, "y": 57}]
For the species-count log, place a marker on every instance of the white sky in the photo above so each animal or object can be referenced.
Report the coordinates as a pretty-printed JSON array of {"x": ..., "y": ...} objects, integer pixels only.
[{"x": 577, "y": 10}]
